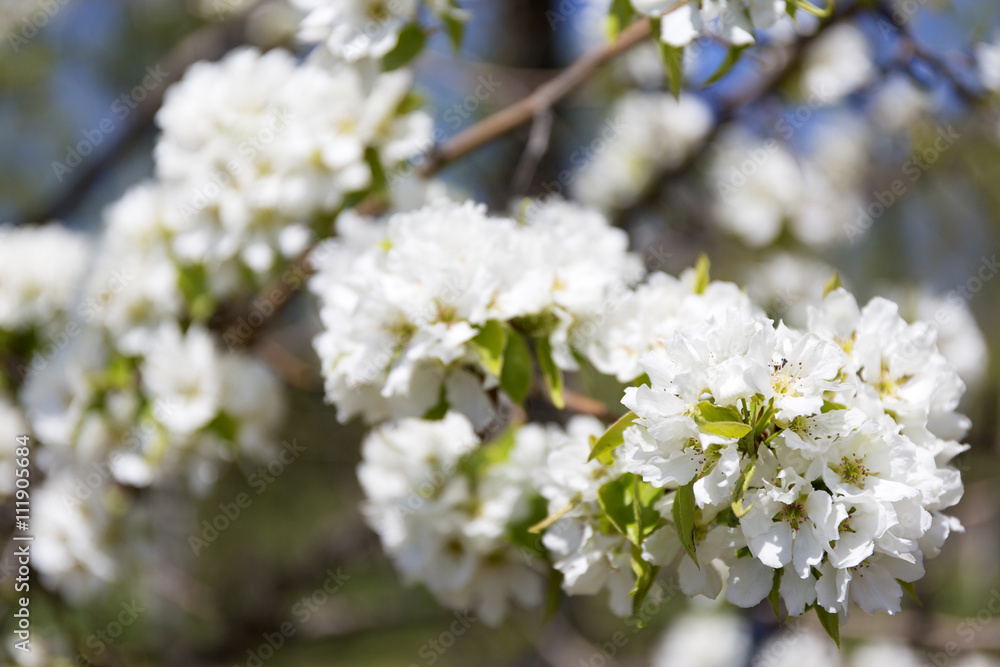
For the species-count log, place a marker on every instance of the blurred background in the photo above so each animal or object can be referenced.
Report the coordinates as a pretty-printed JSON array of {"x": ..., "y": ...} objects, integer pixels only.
[{"x": 884, "y": 166}]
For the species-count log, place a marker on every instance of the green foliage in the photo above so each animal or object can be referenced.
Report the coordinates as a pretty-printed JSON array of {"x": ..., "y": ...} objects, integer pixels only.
[
  {"x": 555, "y": 516},
  {"x": 911, "y": 590},
  {"x": 455, "y": 27},
  {"x": 830, "y": 623},
  {"x": 192, "y": 281},
  {"x": 517, "y": 373},
  {"x": 620, "y": 16},
  {"x": 489, "y": 344},
  {"x": 673, "y": 60},
  {"x": 701, "y": 274},
  {"x": 489, "y": 454},
  {"x": 684, "y": 509},
  {"x": 726, "y": 429},
  {"x": 550, "y": 372},
  {"x": 732, "y": 57},
  {"x": 645, "y": 575},
  {"x": 411, "y": 42},
  {"x": 628, "y": 504},
  {"x": 710, "y": 412},
  {"x": 440, "y": 408},
  {"x": 832, "y": 284},
  {"x": 741, "y": 488},
  {"x": 614, "y": 436},
  {"x": 775, "y": 594}
]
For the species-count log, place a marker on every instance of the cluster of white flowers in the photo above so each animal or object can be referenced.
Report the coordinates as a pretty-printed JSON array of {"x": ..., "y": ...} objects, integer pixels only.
[
  {"x": 354, "y": 30},
  {"x": 649, "y": 133},
  {"x": 259, "y": 150},
  {"x": 33, "y": 294},
  {"x": 120, "y": 375},
  {"x": 641, "y": 319},
  {"x": 761, "y": 186},
  {"x": 590, "y": 553},
  {"x": 811, "y": 464},
  {"x": 840, "y": 62},
  {"x": 710, "y": 637},
  {"x": 444, "y": 508},
  {"x": 426, "y": 304},
  {"x": 733, "y": 21},
  {"x": 195, "y": 405}
]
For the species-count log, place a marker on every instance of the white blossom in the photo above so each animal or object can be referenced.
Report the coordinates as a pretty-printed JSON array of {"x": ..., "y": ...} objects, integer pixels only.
[
  {"x": 645, "y": 134},
  {"x": 445, "y": 527},
  {"x": 257, "y": 148},
  {"x": 35, "y": 292}
]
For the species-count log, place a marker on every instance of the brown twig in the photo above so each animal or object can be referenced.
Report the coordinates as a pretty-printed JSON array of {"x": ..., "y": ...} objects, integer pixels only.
[
  {"x": 544, "y": 98},
  {"x": 584, "y": 404}
]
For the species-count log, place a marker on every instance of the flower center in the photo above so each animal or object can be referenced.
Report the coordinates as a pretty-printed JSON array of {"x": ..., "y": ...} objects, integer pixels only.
[
  {"x": 853, "y": 471},
  {"x": 794, "y": 514}
]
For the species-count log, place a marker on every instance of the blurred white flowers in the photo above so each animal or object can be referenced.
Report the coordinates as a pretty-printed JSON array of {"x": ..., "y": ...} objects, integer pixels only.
[
  {"x": 651, "y": 132},
  {"x": 258, "y": 148},
  {"x": 33, "y": 293}
]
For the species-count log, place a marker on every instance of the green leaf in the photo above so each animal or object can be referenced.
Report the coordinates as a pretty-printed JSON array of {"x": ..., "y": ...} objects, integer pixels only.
[
  {"x": 224, "y": 426},
  {"x": 380, "y": 183},
  {"x": 741, "y": 488},
  {"x": 628, "y": 504},
  {"x": 555, "y": 516},
  {"x": 684, "y": 519},
  {"x": 726, "y": 429},
  {"x": 911, "y": 590},
  {"x": 455, "y": 27},
  {"x": 517, "y": 373},
  {"x": 727, "y": 517},
  {"x": 829, "y": 406},
  {"x": 411, "y": 42},
  {"x": 489, "y": 344},
  {"x": 640, "y": 381},
  {"x": 550, "y": 372},
  {"x": 614, "y": 436},
  {"x": 554, "y": 594},
  {"x": 775, "y": 593},
  {"x": 732, "y": 58},
  {"x": 832, "y": 284},
  {"x": 830, "y": 623},
  {"x": 615, "y": 498},
  {"x": 645, "y": 575},
  {"x": 673, "y": 59},
  {"x": 440, "y": 409},
  {"x": 711, "y": 412},
  {"x": 620, "y": 16},
  {"x": 701, "y": 274},
  {"x": 490, "y": 454},
  {"x": 644, "y": 495}
]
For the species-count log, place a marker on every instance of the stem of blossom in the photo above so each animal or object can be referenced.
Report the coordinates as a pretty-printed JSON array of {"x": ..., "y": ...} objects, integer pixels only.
[{"x": 544, "y": 98}]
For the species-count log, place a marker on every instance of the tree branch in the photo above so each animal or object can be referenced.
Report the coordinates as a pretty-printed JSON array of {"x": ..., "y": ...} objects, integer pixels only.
[{"x": 543, "y": 99}]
